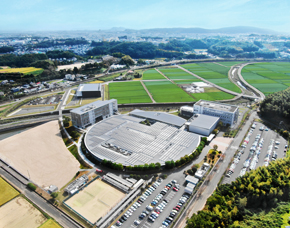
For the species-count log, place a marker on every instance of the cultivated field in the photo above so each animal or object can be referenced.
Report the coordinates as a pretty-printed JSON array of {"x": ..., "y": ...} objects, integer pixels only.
[
  {"x": 189, "y": 81},
  {"x": 176, "y": 73},
  {"x": 20, "y": 213},
  {"x": 214, "y": 73},
  {"x": 165, "y": 91},
  {"x": 152, "y": 74},
  {"x": 7, "y": 192},
  {"x": 41, "y": 155},
  {"x": 24, "y": 70},
  {"x": 268, "y": 77},
  {"x": 212, "y": 96},
  {"x": 50, "y": 224},
  {"x": 128, "y": 92},
  {"x": 95, "y": 200},
  {"x": 229, "y": 64}
]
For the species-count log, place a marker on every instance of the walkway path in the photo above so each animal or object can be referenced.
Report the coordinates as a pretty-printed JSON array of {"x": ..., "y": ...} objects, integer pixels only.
[{"x": 149, "y": 94}]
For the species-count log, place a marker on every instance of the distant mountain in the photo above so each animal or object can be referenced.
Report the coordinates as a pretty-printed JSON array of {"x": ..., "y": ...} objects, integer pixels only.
[{"x": 227, "y": 30}]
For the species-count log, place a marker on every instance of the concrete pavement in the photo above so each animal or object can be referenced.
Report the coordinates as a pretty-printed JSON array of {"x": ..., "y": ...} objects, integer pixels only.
[{"x": 200, "y": 201}]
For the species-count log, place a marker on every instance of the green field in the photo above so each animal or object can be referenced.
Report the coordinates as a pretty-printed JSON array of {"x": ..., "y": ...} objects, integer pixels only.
[
  {"x": 230, "y": 63},
  {"x": 212, "y": 96},
  {"x": 24, "y": 70},
  {"x": 128, "y": 92},
  {"x": 268, "y": 77},
  {"x": 7, "y": 192},
  {"x": 214, "y": 73},
  {"x": 176, "y": 73},
  {"x": 152, "y": 74},
  {"x": 165, "y": 91},
  {"x": 186, "y": 81},
  {"x": 50, "y": 223}
]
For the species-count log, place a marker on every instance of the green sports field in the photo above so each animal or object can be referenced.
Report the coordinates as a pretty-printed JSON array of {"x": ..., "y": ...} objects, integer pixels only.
[
  {"x": 152, "y": 74},
  {"x": 268, "y": 77},
  {"x": 176, "y": 73},
  {"x": 165, "y": 91},
  {"x": 128, "y": 92},
  {"x": 214, "y": 73},
  {"x": 7, "y": 192}
]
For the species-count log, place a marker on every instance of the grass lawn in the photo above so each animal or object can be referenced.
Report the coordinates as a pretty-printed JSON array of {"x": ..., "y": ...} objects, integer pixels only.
[
  {"x": 128, "y": 92},
  {"x": 24, "y": 70},
  {"x": 152, "y": 74},
  {"x": 7, "y": 192},
  {"x": 90, "y": 100},
  {"x": 268, "y": 77},
  {"x": 50, "y": 223},
  {"x": 165, "y": 91}
]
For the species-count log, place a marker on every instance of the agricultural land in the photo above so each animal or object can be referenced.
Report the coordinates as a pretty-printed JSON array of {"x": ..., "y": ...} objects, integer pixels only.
[
  {"x": 166, "y": 91},
  {"x": 152, "y": 75},
  {"x": 24, "y": 70},
  {"x": 268, "y": 77},
  {"x": 20, "y": 213},
  {"x": 128, "y": 92},
  {"x": 7, "y": 192},
  {"x": 176, "y": 73},
  {"x": 214, "y": 73}
]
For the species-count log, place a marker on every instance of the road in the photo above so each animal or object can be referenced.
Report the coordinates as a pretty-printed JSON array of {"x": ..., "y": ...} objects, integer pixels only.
[
  {"x": 199, "y": 202},
  {"x": 239, "y": 73},
  {"x": 20, "y": 182}
]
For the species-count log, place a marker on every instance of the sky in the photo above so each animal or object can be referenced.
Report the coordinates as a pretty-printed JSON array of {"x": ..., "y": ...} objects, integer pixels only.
[{"x": 51, "y": 15}]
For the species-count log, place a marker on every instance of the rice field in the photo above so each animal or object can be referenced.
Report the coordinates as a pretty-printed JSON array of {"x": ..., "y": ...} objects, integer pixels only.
[
  {"x": 230, "y": 63},
  {"x": 152, "y": 74},
  {"x": 268, "y": 77},
  {"x": 186, "y": 81},
  {"x": 176, "y": 73},
  {"x": 128, "y": 92},
  {"x": 165, "y": 91},
  {"x": 212, "y": 96},
  {"x": 7, "y": 192},
  {"x": 214, "y": 73},
  {"x": 24, "y": 70}
]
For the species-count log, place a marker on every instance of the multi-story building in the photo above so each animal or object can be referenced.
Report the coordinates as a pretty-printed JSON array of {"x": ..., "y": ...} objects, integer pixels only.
[
  {"x": 93, "y": 112},
  {"x": 228, "y": 113}
]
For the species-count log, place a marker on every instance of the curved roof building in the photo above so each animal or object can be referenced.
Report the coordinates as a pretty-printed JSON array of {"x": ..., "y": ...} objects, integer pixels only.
[{"x": 124, "y": 139}]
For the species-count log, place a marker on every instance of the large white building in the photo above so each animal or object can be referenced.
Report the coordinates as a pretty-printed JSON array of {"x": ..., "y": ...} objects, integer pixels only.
[
  {"x": 203, "y": 124},
  {"x": 93, "y": 112},
  {"x": 228, "y": 113}
]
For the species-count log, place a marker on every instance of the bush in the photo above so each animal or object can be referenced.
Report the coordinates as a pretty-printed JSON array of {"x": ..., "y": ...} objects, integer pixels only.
[
  {"x": 31, "y": 186},
  {"x": 54, "y": 195}
]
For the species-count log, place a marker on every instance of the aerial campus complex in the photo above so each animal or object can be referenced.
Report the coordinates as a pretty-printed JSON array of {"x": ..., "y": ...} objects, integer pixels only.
[{"x": 130, "y": 141}]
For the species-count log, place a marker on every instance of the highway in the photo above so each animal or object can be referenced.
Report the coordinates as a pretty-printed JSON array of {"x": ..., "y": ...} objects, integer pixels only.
[{"x": 20, "y": 182}]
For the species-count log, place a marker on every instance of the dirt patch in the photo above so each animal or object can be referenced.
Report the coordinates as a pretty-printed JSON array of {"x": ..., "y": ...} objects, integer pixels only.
[
  {"x": 95, "y": 200},
  {"x": 41, "y": 155},
  {"x": 20, "y": 213},
  {"x": 222, "y": 143}
]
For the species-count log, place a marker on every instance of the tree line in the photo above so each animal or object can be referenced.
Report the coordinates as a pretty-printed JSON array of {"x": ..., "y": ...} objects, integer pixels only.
[{"x": 232, "y": 205}]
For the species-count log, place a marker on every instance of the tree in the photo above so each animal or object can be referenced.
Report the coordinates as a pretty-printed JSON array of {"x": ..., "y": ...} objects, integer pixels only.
[
  {"x": 215, "y": 147},
  {"x": 157, "y": 165},
  {"x": 75, "y": 70},
  {"x": 152, "y": 166},
  {"x": 54, "y": 195},
  {"x": 31, "y": 186}
]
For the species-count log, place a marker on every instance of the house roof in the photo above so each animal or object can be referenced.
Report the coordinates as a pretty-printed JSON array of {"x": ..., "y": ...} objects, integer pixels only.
[
  {"x": 89, "y": 87},
  {"x": 93, "y": 105},
  {"x": 204, "y": 121},
  {"x": 159, "y": 116}
]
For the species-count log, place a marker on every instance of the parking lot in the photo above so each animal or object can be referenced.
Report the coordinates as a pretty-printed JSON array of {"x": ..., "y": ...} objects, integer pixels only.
[
  {"x": 47, "y": 100},
  {"x": 171, "y": 196},
  {"x": 259, "y": 151}
]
